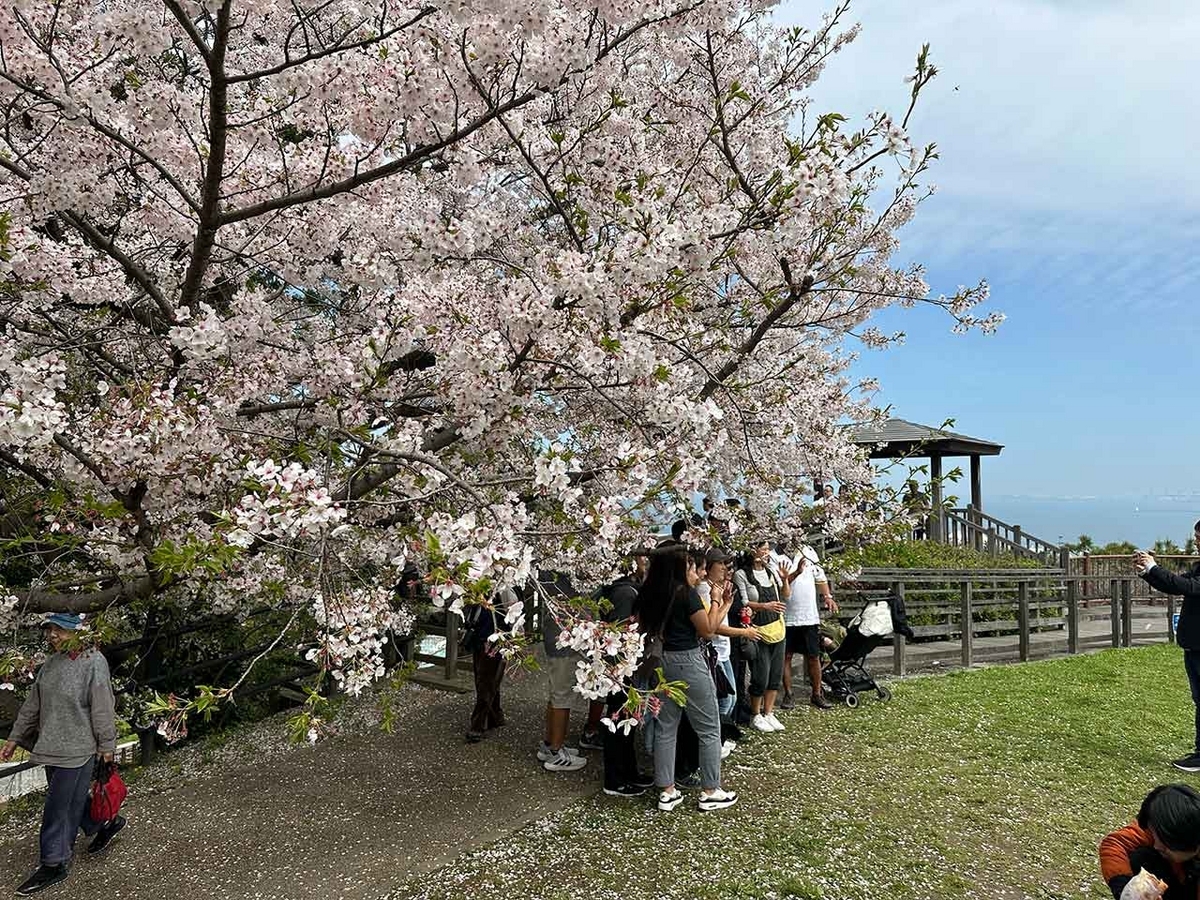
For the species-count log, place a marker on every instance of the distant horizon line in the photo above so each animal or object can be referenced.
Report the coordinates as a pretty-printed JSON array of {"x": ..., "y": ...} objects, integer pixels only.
[{"x": 1172, "y": 497}]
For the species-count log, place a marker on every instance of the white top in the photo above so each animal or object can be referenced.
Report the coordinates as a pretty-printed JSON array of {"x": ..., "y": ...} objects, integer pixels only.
[
  {"x": 802, "y": 600},
  {"x": 722, "y": 642}
]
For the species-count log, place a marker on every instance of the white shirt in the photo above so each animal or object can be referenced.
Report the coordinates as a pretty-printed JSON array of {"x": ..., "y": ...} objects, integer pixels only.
[
  {"x": 802, "y": 600},
  {"x": 721, "y": 642}
]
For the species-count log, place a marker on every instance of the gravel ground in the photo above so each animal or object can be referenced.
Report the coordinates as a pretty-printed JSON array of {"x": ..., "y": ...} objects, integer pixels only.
[{"x": 353, "y": 817}]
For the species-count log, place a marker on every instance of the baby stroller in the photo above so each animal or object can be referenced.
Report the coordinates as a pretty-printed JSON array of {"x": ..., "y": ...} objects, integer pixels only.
[{"x": 845, "y": 674}]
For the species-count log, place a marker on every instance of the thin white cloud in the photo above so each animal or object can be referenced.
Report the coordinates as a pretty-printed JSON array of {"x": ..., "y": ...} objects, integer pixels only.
[{"x": 1087, "y": 106}]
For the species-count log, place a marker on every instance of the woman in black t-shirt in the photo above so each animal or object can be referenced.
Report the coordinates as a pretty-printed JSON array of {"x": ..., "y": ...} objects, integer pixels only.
[{"x": 669, "y": 606}]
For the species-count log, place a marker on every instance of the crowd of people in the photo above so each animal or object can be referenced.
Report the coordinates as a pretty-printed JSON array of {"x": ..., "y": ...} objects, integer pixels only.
[{"x": 729, "y": 628}]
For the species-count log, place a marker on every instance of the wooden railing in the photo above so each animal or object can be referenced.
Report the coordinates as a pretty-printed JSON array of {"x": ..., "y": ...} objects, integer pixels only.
[
  {"x": 1038, "y": 600},
  {"x": 970, "y": 527},
  {"x": 1099, "y": 567}
]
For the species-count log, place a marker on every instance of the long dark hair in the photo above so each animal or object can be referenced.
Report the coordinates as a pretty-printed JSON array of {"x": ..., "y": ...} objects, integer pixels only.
[
  {"x": 666, "y": 580},
  {"x": 1172, "y": 812}
]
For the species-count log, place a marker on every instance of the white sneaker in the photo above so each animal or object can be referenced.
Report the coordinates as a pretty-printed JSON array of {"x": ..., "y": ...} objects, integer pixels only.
[
  {"x": 762, "y": 723},
  {"x": 564, "y": 762},
  {"x": 667, "y": 802},
  {"x": 545, "y": 752},
  {"x": 718, "y": 799},
  {"x": 727, "y": 748},
  {"x": 774, "y": 722}
]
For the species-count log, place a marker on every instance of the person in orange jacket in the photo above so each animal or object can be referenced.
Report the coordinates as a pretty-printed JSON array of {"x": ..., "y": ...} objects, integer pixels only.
[{"x": 1165, "y": 841}]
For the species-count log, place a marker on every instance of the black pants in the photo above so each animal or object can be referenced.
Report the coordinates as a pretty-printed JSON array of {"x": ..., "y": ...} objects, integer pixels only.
[
  {"x": 66, "y": 811},
  {"x": 1156, "y": 864},
  {"x": 1191, "y": 662},
  {"x": 620, "y": 751},
  {"x": 742, "y": 714},
  {"x": 489, "y": 673},
  {"x": 687, "y": 749},
  {"x": 766, "y": 669}
]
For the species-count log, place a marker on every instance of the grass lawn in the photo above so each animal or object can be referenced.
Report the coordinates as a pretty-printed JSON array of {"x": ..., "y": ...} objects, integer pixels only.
[{"x": 995, "y": 783}]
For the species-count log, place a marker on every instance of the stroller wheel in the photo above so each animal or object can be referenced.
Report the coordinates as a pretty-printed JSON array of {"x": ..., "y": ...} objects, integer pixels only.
[
  {"x": 883, "y": 693},
  {"x": 852, "y": 700}
]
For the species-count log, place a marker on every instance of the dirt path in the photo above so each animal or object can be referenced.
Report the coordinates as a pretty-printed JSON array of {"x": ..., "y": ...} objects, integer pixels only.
[{"x": 349, "y": 818}]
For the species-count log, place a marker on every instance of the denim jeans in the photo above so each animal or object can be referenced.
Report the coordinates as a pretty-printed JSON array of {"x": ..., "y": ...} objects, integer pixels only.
[
  {"x": 726, "y": 704},
  {"x": 689, "y": 666},
  {"x": 66, "y": 811}
]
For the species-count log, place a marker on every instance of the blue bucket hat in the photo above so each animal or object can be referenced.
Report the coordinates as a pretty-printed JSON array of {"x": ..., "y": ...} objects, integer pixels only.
[{"x": 68, "y": 621}]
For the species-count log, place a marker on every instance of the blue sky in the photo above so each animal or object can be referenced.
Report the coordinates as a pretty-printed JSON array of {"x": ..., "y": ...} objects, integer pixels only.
[{"x": 1066, "y": 180}]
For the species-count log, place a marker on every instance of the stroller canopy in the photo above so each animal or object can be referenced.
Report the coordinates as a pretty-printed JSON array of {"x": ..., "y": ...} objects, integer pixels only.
[{"x": 875, "y": 620}]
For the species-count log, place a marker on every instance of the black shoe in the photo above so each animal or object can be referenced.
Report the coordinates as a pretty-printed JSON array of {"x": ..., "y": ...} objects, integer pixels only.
[
  {"x": 44, "y": 877},
  {"x": 105, "y": 835},
  {"x": 788, "y": 702},
  {"x": 591, "y": 740},
  {"x": 625, "y": 790},
  {"x": 474, "y": 737},
  {"x": 642, "y": 781},
  {"x": 688, "y": 781},
  {"x": 820, "y": 702},
  {"x": 1190, "y": 763}
]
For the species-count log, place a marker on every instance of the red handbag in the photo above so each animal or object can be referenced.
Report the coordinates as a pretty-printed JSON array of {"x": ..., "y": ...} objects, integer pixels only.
[{"x": 108, "y": 793}]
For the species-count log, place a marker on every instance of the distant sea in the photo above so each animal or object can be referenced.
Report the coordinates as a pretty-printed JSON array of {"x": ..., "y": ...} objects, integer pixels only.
[{"x": 1141, "y": 520}]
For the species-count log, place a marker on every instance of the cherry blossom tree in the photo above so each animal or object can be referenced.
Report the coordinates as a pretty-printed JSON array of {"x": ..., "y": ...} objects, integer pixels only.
[{"x": 297, "y": 294}]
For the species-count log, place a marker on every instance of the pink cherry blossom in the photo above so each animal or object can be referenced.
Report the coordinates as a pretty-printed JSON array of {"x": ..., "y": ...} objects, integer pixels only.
[{"x": 297, "y": 295}]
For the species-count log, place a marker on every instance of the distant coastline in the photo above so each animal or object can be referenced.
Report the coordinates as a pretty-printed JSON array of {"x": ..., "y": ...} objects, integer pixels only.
[{"x": 1139, "y": 519}]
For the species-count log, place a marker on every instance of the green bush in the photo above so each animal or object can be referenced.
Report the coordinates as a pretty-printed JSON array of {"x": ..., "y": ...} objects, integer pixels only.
[{"x": 925, "y": 555}]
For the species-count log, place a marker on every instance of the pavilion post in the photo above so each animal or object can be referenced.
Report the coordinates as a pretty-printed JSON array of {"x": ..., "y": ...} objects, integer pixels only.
[
  {"x": 976, "y": 483},
  {"x": 935, "y": 478}
]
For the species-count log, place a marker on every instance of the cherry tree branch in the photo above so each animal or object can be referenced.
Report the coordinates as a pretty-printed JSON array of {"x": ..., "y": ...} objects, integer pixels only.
[
  {"x": 329, "y": 51},
  {"x": 214, "y": 174}
]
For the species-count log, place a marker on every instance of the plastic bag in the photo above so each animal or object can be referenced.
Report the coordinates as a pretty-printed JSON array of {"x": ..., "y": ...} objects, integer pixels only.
[{"x": 1144, "y": 886}]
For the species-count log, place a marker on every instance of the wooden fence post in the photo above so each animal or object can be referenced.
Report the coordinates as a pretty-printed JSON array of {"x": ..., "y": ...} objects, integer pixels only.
[
  {"x": 1171, "y": 619},
  {"x": 1023, "y": 619},
  {"x": 1072, "y": 616},
  {"x": 1087, "y": 570},
  {"x": 147, "y": 744},
  {"x": 965, "y": 621},
  {"x": 451, "y": 644},
  {"x": 1126, "y": 613},
  {"x": 993, "y": 543},
  {"x": 1114, "y": 612},
  {"x": 899, "y": 665}
]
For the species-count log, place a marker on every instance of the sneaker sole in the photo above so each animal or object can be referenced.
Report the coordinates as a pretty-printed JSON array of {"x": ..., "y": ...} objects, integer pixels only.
[
  {"x": 613, "y": 793},
  {"x": 716, "y": 807},
  {"x": 1186, "y": 768},
  {"x": 38, "y": 890},
  {"x": 107, "y": 843},
  {"x": 667, "y": 807}
]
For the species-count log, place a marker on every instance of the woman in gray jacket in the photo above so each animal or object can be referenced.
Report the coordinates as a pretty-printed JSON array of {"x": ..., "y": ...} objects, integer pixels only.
[{"x": 67, "y": 722}]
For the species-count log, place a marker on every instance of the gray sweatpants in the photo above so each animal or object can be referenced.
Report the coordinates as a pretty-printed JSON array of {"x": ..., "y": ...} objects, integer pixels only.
[
  {"x": 66, "y": 811},
  {"x": 689, "y": 666}
]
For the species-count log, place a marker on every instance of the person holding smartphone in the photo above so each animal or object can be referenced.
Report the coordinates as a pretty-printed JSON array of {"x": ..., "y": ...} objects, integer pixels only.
[
  {"x": 669, "y": 605},
  {"x": 1187, "y": 635}
]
